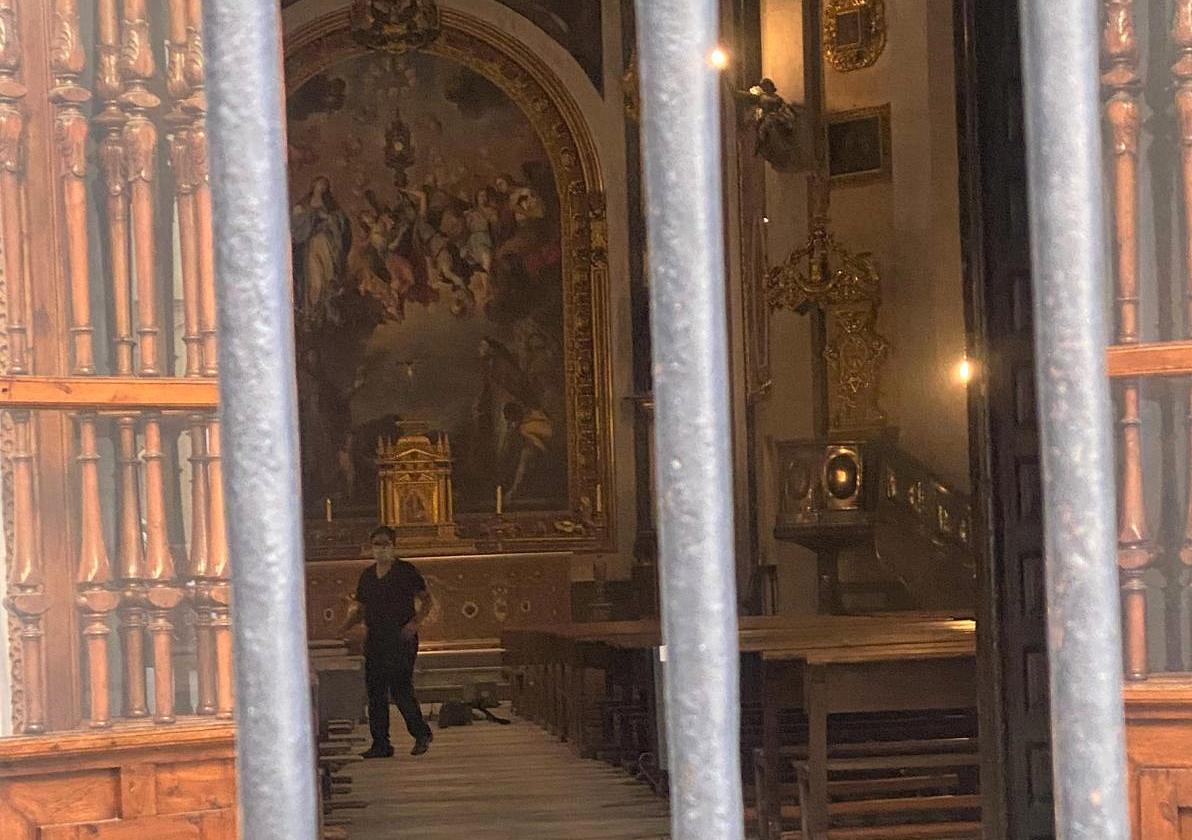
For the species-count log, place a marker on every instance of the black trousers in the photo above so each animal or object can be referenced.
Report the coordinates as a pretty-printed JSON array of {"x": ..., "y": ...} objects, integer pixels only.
[{"x": 389, "y": 675}]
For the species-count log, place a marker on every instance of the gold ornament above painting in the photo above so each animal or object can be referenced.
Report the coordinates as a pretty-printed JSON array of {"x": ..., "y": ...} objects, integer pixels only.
[
  {"x": 854, "y": 33},
  {"x": 450, "y": 273}
]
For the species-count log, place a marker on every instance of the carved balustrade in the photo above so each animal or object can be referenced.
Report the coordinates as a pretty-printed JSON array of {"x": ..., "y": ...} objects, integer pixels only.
[{"x": 110, "y": 439}]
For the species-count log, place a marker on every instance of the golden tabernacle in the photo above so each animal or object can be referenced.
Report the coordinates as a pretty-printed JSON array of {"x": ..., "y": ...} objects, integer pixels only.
[{"x": 414, "y": 483}]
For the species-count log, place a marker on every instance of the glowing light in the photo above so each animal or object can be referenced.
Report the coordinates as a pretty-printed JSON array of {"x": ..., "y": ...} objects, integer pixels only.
[
  {"x": 718, "y": 58},
  {"x": 965, "y": 371}
]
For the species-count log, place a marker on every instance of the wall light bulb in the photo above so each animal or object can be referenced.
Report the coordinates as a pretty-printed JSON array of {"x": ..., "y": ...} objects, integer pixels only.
[
  {"x": 718, "y": 58},
  {"x": 964, "y": 371}
]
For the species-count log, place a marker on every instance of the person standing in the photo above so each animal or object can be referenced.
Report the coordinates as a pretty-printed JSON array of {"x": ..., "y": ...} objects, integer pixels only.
[{"x": 392, "y": 600}]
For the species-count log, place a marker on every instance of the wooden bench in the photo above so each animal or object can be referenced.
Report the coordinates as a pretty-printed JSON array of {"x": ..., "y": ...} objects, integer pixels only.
[{"x": 822, "y": 665}]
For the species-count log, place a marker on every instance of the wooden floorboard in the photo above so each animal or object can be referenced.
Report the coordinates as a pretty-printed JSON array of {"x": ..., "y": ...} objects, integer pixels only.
[{"x": 491, "y": 782}]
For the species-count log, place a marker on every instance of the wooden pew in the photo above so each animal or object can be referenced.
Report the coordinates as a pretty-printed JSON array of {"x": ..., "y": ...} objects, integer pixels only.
[
  {"x": 824, "y": 665},
  {"x": 908, "y": 668}
]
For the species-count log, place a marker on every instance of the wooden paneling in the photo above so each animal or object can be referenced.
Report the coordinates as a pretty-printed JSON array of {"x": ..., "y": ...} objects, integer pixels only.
[
  {"x": 132, "y": 783},
  {"x": 1159, "y": 751},
  {"x": 1004, "y": 435}
]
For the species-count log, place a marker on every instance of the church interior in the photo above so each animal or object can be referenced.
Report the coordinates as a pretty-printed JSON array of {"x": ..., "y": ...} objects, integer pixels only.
[{"x": 472, "y": 343}]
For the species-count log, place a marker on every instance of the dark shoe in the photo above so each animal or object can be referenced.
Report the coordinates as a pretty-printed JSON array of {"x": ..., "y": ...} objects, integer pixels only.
[
  {"x": 422, "y": 744},
  {"x": 378, "y": 751}
]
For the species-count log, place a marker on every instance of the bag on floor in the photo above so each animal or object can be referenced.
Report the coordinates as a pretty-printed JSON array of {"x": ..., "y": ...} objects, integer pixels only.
[{"x": 455, "y": 713}]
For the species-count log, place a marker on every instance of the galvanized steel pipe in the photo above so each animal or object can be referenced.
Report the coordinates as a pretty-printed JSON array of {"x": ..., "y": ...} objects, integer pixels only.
[
  {"x": 682, "y": 150},
  {"x": 275, "y": 739},
  {"x": 1060, "y": 42}
]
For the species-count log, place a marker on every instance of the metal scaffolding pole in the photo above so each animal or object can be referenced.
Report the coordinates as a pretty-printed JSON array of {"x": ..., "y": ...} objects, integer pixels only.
[
  {"x": 1060, "y": 62},
  {"x": 275, "y": 741},
  {"x": 681, "y": 139}
]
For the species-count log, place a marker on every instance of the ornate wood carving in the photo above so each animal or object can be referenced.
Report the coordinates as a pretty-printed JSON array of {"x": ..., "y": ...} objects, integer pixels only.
[
  {"x": 200, "y": 565},
  {"x": 12, "y": 170},
  {"x": 67, "y": 62},
  {"x": 131, "y": 563},
  {"x": 96, "y": 599},
  {"x": 137, "y": 69},
  {"x": 27, "y": 599},
  {"x": 181, "y": 161},
  {"x": 110, "y": 123},
  {"x": 196, "y": 107},
  {"x": 162, "y": 595},
  {"x": 1181, "y": 36},
  {"x": 216, "y": 589},
  {"x": 1121, "y": 82}
]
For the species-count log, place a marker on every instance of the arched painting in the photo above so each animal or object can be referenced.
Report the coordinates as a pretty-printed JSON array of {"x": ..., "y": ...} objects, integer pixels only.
[{"x": 428, "y": 281}]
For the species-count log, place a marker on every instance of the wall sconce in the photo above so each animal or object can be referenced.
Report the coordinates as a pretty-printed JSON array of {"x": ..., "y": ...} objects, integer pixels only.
[{"x": 719, "y": 58}]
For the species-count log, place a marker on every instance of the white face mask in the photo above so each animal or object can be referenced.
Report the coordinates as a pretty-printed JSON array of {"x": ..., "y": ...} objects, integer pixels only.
[{"x": 383, "y": 553}]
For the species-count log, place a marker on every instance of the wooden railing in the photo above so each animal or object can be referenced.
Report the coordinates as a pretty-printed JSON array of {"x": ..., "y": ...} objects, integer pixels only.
[
  {"x": 1149, "y": 522},
  {"x": 92, "y": 392}
]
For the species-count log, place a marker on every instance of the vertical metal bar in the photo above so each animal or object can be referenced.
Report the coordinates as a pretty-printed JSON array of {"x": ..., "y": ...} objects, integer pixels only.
[
  {"x": 275, "y": 749},
  {"x": 1060, "y": 63},
  {"x": 681, "y": 139}
]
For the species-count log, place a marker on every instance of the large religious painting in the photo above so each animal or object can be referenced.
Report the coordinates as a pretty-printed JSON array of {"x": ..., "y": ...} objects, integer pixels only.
[{"x": 438, "y": 275}]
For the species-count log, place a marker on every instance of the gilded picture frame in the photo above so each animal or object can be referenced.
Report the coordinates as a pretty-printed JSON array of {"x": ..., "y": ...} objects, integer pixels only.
[
  {"x": 854, "y": 33},
  {"x": 589, "y": 522}
]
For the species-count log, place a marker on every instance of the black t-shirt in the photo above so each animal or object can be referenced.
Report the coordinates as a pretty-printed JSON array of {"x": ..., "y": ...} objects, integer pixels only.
[{"x": 388, "y": 603}]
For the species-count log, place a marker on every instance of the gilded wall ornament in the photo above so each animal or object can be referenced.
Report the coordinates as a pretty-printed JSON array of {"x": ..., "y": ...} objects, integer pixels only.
[
  {"x": 631, "y": 89},
  {"x": 395, "y": 25},
  {"x": 854, "y": 33},
  {"x": 824, "y": 275}
]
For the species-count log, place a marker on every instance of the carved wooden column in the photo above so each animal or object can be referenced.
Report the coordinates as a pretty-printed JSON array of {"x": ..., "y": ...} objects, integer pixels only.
[
  {"x": 182, "y": 163},
  {"x": 110, "y": 124},
  {"x": 137, "y": 68},
  {"x": 96, "y": 598},
  {"x": 131, "y": 558},
  {"x": 68, "y": 59},
  {"x": 97, "y": 601},
  {"x": 27, "y": 598},
  {"x": 162, "y": 595},
  {"x": 1181, "y": 37},
  {"x": 196, "y": 106},
  {"x": 217, "y": 589},
  {"x": 200, "y": 566},
  {"x": 12, "y": 173},
  {"x": 1121, "y": 83}
]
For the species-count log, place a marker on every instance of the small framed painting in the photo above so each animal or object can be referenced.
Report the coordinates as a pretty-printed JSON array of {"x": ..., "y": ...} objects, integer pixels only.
[{"x": 859, "y": 148}]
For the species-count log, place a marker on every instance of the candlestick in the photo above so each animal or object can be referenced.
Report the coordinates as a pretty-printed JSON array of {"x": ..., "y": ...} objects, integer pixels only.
[{"x": 500, "y": 499}]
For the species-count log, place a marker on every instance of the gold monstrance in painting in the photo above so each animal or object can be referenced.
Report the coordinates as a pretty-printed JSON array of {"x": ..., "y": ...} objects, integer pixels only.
[{"x": 414, "y": 483}]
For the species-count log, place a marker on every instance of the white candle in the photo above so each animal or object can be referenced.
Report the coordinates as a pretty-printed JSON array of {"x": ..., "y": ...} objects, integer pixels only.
[
  {"x": 500, "y": 493},
  {"x": 327, "y": 508},
  {"x": 600, "y": 498}
]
